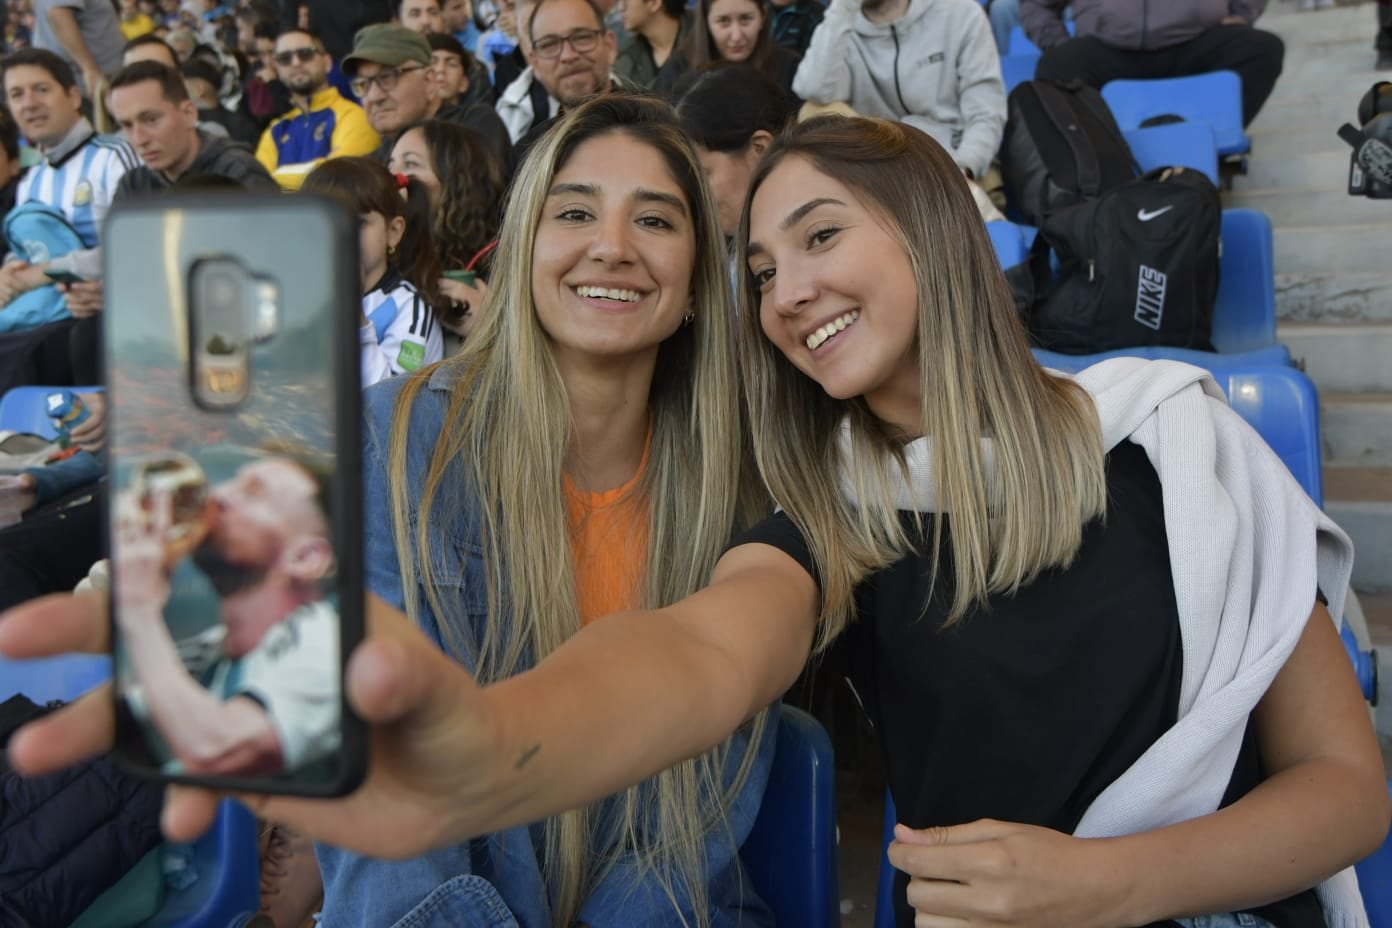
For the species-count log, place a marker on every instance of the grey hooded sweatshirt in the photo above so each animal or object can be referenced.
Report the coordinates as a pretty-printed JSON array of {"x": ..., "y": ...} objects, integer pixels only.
[
  {"x": 1140, "y": 25},
  {"x": 935, "y": 68}
]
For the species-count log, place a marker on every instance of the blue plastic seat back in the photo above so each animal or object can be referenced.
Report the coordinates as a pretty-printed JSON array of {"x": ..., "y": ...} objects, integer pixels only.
[
  {"x": 1184, "y": 144},
  {"x": 25, "y": 409},
  {"x": 884, "y": 891},
  {"x": 1214, "y": 98},
  {"x": 790, "y": 855},
  {"x": 1016, "y": 69},
  {"x": 1244, "y": 317},
  {"x": 1008, "y": 241}
]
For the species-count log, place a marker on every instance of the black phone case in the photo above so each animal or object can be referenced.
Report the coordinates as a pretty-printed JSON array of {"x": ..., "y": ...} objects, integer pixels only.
[{"x": 234, "y": 456}]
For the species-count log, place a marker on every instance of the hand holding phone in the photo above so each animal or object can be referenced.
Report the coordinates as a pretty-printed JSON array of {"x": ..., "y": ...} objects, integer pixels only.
[{"x": 62, "y": 277}]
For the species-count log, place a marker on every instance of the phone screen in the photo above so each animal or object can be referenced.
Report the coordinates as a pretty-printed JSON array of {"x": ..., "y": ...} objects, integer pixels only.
[
  {"x": 235, "y": 538},
  {"x": 63, "y": 277}
]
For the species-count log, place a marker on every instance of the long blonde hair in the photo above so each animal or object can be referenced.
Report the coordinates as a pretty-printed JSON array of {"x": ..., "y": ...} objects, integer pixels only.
[
  {"x": 1019, "y": 513},
  {"x": 508, "y": 425}
]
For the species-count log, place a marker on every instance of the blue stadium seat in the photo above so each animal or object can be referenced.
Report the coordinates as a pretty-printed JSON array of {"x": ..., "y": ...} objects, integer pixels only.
[
  {"x": 1185, "y": 144},
  {"x": 1016, "y": 69},
  {"x": 1009, "y": 242},
  {"x": 790, "y": 855},
  {"x": 227, "y": 890},
  {"x": 1244, "y": 317},
  {"x": 884, "y": 891},
  {"x": 1214, "y": 98},
  {"x": 25, "y": 409},
  {"x": 1020, "y": 44}
]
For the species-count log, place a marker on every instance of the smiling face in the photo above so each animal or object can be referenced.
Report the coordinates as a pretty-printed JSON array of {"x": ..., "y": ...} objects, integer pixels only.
[
  {"x": 836, "y": 289},
  {"x": 734, "y": 28},
  {"x": 613, "y": 253},
  {"x": 568, "y": 74},
  {"x": 411, "y": 156}
]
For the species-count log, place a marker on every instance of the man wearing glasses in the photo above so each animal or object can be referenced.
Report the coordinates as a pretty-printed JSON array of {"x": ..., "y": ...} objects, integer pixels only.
[
  {"x": 570, "y": 59},
  {"x": 322, "y": 124},
  {"x": 391, "y": 73}
]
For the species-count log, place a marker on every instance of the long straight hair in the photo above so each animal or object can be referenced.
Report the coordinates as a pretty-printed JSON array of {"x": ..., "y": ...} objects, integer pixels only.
[
  {"x": 699, "y": 45},
  {"x": 1015, "y": 513},
  {"x": 506, "y": 431}
]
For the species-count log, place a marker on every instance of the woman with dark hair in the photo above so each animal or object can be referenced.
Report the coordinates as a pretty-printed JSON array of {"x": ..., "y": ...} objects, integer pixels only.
[
  {"x": 655, "y": 29},
  {"x": 733, "y": 32},
  {"x": 466, "y": 185},
  {"x": 731, "y": 114}
]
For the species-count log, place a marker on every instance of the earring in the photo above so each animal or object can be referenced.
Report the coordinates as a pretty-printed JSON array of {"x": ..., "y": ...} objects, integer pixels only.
[
  {"x": 689, "y": 318},
  {"x": 391, "y": 251}
]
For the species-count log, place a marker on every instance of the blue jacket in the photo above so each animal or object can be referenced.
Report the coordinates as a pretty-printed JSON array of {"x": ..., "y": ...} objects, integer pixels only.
[{"x": 498, "y": 879}]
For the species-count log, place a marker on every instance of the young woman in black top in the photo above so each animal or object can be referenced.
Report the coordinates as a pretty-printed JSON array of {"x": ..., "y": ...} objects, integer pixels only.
[{"x": 1024, "y": 597}]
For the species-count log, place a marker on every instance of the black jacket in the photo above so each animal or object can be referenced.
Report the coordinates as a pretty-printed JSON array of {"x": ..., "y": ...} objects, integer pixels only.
[
  {"x": 216, "y": 155},
  {"x": 67, "y": 837}
]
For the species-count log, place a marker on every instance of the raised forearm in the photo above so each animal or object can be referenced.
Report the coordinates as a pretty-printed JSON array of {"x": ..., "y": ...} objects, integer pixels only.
[{"x": 64, "y": 23}]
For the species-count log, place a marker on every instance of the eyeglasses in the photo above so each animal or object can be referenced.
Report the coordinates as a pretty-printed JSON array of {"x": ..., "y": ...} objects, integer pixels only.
[
  {"x": 288, "y": 57},
  {"x": 583, "y": 41},
  {"x": 385, "y": 79}
]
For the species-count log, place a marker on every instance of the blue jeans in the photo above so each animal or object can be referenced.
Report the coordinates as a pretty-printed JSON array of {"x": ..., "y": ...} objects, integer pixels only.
[{"x": 1226, "y": 920}]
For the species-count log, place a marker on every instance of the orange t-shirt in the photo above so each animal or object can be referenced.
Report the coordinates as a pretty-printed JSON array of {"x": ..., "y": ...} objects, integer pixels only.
[{"x": 609, "y": 542}]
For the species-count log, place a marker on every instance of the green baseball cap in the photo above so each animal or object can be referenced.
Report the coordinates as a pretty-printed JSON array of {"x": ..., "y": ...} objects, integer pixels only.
[{"x": 389, "y": 45}]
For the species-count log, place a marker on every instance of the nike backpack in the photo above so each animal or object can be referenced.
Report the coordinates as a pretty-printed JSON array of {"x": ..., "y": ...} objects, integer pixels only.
[
  {"x": 1135, "y": 267},
  {"x": 1062, "y": 146}
]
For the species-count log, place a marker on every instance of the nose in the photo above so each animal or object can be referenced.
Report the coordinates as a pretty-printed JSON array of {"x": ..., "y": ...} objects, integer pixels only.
[
  {"x": 611, "y": 243},
  {"x": 568, "y": 52},
  {"x": 792, "y": 291}
]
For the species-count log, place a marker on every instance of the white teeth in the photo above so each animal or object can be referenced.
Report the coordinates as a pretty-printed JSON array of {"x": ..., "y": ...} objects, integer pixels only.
[
  {"x": 839, "y": 324},
  {"x": 608, "y": 293}
]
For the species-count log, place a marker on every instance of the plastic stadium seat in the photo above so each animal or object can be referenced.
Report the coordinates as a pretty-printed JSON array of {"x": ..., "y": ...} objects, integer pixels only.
[
  {"x": 1214, "y": 98},
  {"x": 1244, "y": 318},
  {"x": 1009, "y": 242},
  {"x": 25, "y": 409},
  {"x": 1186, "y": 144},
  {"x": 1016, "y": 69},
  {"x": 790, "y": 855},
  {"x": 227, "y": 890},
  {"x": 884, "y": 891}
]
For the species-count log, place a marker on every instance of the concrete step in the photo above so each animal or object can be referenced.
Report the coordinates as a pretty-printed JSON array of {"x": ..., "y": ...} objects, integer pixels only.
[
  {"x": 1337, "y": 297},
  {"x": 1318, "y": 26},
  {"x": 1360, "y": 500},
  {"x": 1316, "y": 207},
  {"x": 1342, "y": 358},
  {"x": 1287, "y": 140},
  {"x": 1356, "y": 429},
  {"x": 1310, "y": 171},
  {"x": 1336, "y": 249}
]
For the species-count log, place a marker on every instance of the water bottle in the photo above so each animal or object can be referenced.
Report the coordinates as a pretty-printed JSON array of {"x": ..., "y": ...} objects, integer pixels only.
[{"x": 66, "y": 411}]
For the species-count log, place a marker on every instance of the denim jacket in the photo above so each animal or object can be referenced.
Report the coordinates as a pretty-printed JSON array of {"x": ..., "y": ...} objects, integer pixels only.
[{"x": 499, "y": 879}]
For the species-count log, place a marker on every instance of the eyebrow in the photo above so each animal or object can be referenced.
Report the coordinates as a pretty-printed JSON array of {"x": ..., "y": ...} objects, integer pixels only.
[
  {"x": 642, "y": 194},
  {"x": 792, "y": 219}
]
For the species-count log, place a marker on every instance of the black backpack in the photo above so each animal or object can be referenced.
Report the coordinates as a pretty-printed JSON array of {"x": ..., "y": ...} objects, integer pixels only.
[
  {"x": 1062, "y": 146},
  {"x": 1137, "y": 266}
]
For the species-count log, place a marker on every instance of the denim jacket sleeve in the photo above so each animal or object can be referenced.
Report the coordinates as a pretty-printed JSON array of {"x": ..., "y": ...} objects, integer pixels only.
[{"x": 629, "y": 897}]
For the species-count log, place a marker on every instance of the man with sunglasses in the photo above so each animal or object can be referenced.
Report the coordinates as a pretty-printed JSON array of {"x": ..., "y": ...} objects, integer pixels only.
[
  {"x": 322, "y": 125},
  {"x": 391, "y": 73}
]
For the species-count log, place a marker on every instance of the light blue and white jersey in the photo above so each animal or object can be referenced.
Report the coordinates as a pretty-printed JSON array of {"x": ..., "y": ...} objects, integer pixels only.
[
  {"x": 82, "y": 184},
  {"x": 402, "y": 334}
]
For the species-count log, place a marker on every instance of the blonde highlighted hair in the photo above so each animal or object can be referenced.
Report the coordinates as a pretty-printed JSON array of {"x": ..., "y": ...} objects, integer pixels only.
[
  {"x": 1014, "y": 514},
  {"x": 508, "y": 426}
]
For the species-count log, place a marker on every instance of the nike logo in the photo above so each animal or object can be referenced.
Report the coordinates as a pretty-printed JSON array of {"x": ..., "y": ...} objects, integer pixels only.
[{"x": 1147, "y": 215}]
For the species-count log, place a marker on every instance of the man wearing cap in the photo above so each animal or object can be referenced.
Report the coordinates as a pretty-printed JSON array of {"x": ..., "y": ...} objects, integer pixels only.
[
  {"x": 322, "y": 124},
  {"x": 391, "y": 73}
]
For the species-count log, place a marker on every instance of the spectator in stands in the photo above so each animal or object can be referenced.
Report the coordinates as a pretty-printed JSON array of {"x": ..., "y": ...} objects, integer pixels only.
[
  {"x": 570, "y": 57},
  {"x": 466, "y": 184},
  {"x": 731, "y": 114},
  {"x": 10, "y": 169},
  {"x": 264, "y": 96},
  {"x": 77, "y": 178},
  {"x": 1005, "y": 16},
  {"x": 322, "y": 125},
  {"x": 134, "y": 23},
  {"x": 458, "y": 18},
  {"x": 731, "y": 31},
  {"x": 148, "y": 47},
  {"x": 655, "y": 28},
  {"x": 400, "y": 271},
  {"x": 793, "y": 22},
  {"x": 932, "y": 65},
  {"x": 421, "y": 16},
  {"x": 151, "y": 104},
  {"x": 460, "y": 77},
  {"x": 500, "y": 49},
  {"x": 336, "y": 22},
  {"x": 85, "y": 33},
  {"x": 1114, "y": 41},
  {"x": 391, "y": 75},
  {"x": 202, "y": 81}
]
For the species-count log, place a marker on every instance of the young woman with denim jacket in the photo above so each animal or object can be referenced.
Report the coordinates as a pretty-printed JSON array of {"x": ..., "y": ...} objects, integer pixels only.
[{"x": 875, "y": 314}]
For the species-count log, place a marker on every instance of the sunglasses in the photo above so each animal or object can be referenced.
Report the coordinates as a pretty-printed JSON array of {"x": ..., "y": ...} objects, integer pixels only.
[{"x": 289, "y": 57}]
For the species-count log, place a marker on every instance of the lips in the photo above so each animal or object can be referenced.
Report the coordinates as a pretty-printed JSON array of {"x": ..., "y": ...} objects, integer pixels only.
[{"x": 830, "y": 329}]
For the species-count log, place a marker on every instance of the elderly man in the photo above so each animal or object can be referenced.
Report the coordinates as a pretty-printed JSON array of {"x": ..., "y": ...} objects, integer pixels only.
[{"x": 392, "y": 74}]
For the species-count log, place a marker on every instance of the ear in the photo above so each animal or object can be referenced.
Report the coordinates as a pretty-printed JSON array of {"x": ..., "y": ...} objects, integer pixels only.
[
  {"x": 75, "y": 95},
  {"x": 760, "y": 141},
  {"x": 396, "y": 228},
  {"x": 307, "y": 558},
  {"x": 189, "y": 110}
]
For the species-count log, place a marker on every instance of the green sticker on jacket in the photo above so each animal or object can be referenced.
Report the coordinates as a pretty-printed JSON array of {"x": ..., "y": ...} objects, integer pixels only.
[{"x": 411, "y": 356}]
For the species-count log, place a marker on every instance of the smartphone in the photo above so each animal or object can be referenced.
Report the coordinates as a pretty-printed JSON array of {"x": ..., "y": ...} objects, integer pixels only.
[
  {"x": 63, "y": 277},
  {"x": 234, "y": 514}
]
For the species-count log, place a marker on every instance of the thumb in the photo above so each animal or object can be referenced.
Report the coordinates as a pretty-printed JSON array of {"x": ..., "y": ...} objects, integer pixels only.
[
  {"x": 398, "y": 672},
  {"x": 981, "y": 830}
]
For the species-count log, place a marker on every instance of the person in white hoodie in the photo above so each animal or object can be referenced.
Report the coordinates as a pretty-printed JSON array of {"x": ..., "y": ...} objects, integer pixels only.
[{"x": 930, "y": 63}]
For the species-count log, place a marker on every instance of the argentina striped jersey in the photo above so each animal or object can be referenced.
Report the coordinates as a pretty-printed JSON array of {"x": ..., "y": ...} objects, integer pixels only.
[
  {"x": 82, "y": 184},
  {"x": 402, "y": 333}
]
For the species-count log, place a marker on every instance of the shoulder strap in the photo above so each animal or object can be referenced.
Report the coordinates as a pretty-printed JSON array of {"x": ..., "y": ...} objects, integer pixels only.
[{"x": 1056, "y": 103}]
